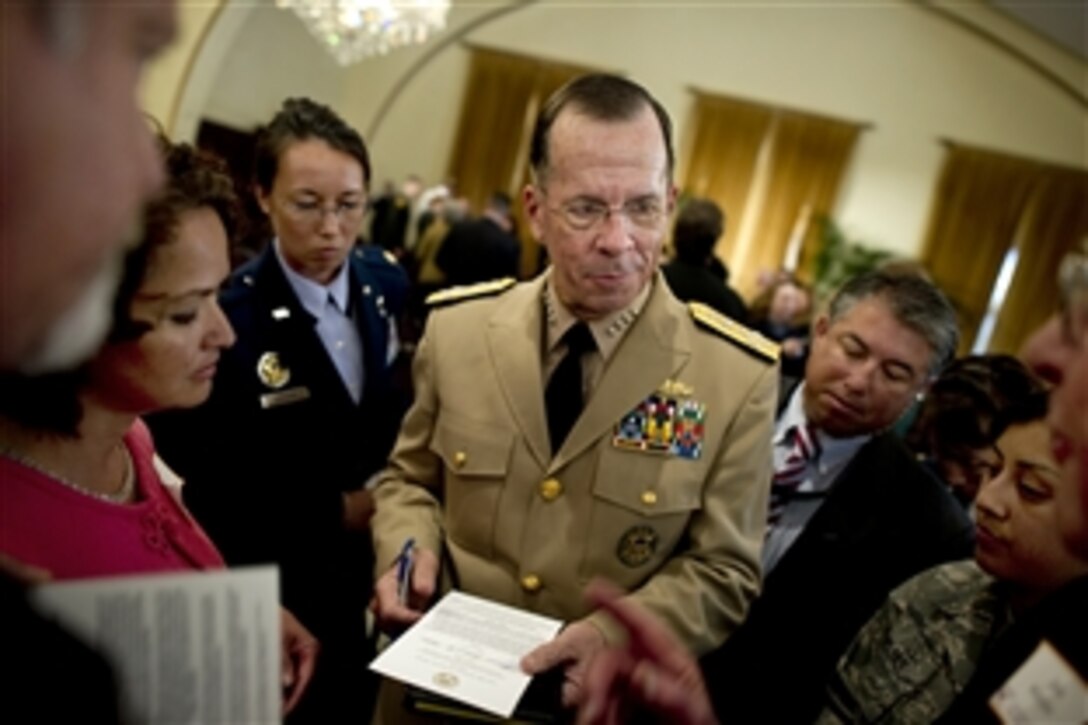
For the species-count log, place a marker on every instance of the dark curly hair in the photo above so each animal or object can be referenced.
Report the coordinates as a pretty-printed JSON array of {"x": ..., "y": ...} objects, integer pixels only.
[
  {"x": 300, "y": 119},
  {"x": 195, "y": 180},
  {"x": 972, "y": 403}
]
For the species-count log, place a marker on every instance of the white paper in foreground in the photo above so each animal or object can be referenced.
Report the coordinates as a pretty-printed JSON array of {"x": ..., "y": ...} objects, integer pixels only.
[
  {"x": 198, "y": 647},
  {"x": 468, "y": 649}
]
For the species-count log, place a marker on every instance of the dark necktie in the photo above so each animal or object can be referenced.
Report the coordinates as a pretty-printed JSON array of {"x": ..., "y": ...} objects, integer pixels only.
[{"x": 563, "y": 396}]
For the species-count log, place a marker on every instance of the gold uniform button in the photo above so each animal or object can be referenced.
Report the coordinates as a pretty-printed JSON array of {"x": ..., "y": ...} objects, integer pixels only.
[
  {"x": 649, "y": 498},
  {"x": 551, "y": 489},
  {"x": 459, "y": 459},
  {"x": 531, "y": 583}
]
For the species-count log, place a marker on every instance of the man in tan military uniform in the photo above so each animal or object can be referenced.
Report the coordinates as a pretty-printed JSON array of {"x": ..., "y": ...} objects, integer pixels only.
[{"x": 661, "y": 483}]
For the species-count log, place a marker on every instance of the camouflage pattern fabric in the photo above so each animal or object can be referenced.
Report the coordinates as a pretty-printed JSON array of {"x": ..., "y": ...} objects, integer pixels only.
[{"x": 916, "y": 654}]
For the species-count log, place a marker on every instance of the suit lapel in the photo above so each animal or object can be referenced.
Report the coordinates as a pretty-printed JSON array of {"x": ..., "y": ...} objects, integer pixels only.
[
  {"x": 853, "y": 501},
  {"x": 852, "y": 508},
  {"x": 654, "y": 349},
  {"x": 371, "y": 324},
  {"x": 514, "y": 339}
]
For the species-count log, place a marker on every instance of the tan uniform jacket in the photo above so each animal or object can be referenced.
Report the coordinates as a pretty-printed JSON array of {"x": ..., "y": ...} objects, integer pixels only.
[{"x": 472, "y": 475}]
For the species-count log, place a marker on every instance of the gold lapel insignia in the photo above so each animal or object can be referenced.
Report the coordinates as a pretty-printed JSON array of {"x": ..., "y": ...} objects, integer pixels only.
[
  {"x": 271, "y": 371},
  {"x": 637, "y": 546},
  {"x": 675, "y": 389}
]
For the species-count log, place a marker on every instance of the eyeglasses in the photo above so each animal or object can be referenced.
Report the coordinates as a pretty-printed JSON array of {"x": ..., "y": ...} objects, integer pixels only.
[
  {"x": 313, "y": 212},
  {"x": 1073, "y": 284},
  {"x": 585, "y": 214}
]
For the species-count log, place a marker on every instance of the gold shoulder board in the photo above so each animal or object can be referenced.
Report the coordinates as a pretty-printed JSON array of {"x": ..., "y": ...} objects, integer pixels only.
[
  {"x": 733, "y": 331},
  {"x": 469, "y": 292}
]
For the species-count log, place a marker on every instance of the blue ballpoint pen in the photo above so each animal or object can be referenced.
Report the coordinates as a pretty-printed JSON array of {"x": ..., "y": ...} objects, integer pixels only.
[{"x": 404, "y": 570}]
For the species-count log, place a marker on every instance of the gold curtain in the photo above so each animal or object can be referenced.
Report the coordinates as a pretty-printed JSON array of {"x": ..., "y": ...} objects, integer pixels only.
[
  {"x": 492, "y": 119},
  {"x": 980, "y": 200},
  {"x": 491, "y": 152},
  {"x": 808, "y": 158},
  {"x": 726, "y": 139},
  {"x": 1055, "y": 221}
]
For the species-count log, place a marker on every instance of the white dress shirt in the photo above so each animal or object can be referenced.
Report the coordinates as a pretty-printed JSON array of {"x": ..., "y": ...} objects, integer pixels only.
[{"x": 329, "y": 306}]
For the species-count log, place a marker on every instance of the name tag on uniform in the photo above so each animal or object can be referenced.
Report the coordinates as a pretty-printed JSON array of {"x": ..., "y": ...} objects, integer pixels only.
[{"x": 285, "y": 397}]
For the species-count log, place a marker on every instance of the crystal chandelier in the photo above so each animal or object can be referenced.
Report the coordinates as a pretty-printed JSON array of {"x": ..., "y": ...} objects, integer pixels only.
[{"x": 355, "y": 29}]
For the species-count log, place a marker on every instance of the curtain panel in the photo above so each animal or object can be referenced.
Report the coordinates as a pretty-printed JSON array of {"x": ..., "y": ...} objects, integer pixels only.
[
  {"x": 726, "y": 138},
  {"x": 773, "y": 172},
  {"x": 499, "y": 107},
  {"x": 987, "y": 203},
  {"x": 809, "y": 156},
  {"x": 1056, "y": 219}
]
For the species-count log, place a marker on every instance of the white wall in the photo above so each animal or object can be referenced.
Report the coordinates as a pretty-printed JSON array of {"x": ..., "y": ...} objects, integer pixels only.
[
  {"x": 912, "y": 74},
  {"x": 161, "y": 86},
  {"x": 270, "y": 57}
]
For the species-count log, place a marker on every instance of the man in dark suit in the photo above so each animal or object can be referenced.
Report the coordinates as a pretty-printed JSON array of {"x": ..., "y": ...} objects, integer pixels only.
[
  {"x": 698, "y": 226},
  {"x": 857, "y": 516},
  {"x": 303, "y": 409},
  {"x": 481, "y": 249}
]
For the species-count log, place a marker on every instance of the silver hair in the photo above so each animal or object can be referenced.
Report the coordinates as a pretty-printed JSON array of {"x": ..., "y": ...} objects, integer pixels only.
[{"x": 915, "y": 302}]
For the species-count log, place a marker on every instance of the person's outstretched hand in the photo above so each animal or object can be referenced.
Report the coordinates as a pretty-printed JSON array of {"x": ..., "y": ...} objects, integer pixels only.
[{"x": 652, "y": 674}]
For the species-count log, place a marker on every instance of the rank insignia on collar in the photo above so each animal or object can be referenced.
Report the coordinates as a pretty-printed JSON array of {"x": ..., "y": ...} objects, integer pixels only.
[
  {"x": 666, "y": 423},
  {"x": 271, "y": 371},
  {"x": 637, "y": 546}
]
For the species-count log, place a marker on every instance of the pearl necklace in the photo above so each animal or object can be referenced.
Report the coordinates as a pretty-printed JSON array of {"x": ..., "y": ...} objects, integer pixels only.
[{"x": 120, "y": 496}]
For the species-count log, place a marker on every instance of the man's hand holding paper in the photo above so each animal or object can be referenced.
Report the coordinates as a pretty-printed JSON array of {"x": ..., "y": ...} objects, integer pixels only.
[
  {"x": 573, "y": 649},
  {"x": 469, "y": 649}
]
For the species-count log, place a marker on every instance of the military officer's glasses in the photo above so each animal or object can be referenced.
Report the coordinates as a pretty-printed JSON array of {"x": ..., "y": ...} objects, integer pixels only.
[
  {"x": 1073, "y": 283},
  {"x": 586, "y": 214},
  {"x": 311, "y": 211}
]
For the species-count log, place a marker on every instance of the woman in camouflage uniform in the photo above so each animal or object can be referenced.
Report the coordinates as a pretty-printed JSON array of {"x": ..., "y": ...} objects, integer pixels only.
[{"x": 918, "y": 652}]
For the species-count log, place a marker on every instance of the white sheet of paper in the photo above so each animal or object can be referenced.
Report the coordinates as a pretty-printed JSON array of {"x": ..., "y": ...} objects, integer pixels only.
[
  {"x": 1046, "y": 688},
  {"x": 197, "y": 647},
  {"x": 468, "y": 649}
]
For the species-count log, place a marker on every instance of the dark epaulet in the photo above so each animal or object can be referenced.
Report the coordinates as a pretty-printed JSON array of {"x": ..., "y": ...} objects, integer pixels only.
[
  {"x": 733, "y": 331},
  {"x": 469, "y": 292}
]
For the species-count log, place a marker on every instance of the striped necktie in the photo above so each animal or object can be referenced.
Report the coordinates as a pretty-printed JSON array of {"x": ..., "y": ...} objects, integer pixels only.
[{"x": 804, "y": 451}]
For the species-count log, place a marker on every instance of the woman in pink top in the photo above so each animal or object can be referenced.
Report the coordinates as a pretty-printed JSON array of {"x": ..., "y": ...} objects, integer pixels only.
[{"x": 82, "y": 493}]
